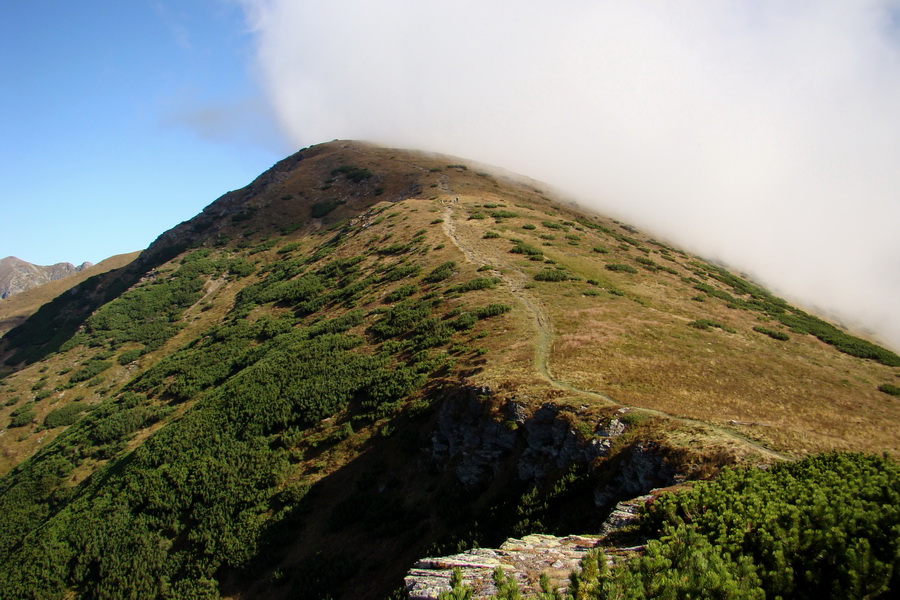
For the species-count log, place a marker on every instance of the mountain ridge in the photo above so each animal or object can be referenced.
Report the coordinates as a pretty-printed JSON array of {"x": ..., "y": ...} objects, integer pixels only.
[
  {"x": 17, "y": 308},
  {"x": 371, "y": 355},
  {"x": 17, "y": 275}
]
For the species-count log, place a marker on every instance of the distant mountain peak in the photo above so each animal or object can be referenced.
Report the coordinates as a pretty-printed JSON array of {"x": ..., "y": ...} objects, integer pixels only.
[{"x": 17, "y": 275}]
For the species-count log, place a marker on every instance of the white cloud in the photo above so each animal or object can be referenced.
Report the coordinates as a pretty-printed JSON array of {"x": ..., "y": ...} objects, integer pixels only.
[{"x": 762, "y": 132}]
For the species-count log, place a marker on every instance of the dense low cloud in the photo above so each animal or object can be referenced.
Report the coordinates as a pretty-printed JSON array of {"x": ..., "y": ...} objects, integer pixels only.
[{"x": 763, "y": 133}]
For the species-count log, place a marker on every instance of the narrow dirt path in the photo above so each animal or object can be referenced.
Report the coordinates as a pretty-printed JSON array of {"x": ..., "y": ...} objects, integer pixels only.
[{"x": 515, "y": 281}]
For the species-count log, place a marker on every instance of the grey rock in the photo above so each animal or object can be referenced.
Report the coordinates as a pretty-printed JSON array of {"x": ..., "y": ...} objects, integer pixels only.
[
  {"x": 625, "y": 513},
  {"x": 516, "y": 412},
  {"x": 614, "y": 427},
  {"x": 525, "y": 559},
  {"x": 470, "y": 439},
  {"x": 17, "y": 275},
  {"x": 467, "y": 436},
  {"x": 641, "y": 469}
]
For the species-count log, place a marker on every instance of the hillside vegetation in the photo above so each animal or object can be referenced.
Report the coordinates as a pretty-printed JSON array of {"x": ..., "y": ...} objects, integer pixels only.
[
  {"x": 823, "y": 527},
  {"x": 15, "y": 309},
  {"x": 370, "y": 355}
]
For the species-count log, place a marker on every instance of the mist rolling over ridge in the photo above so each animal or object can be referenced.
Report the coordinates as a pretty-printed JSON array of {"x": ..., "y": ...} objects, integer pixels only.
[
  {"x": 762, "y": 134},
  {"x": 494, "y": 287}
]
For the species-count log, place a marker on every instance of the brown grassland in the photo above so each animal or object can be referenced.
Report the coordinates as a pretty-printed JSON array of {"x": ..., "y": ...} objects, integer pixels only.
[
  {"x": 18, "y": 307},
  {"x": 600, "y": 341},
  {"x": 607, "y": 335}
]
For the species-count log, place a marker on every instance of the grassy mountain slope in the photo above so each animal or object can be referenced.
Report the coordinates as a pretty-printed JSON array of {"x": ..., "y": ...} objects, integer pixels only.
[
  {"x": 15, "y": 309},
  {"x": 369, "y": 355},
  {"x": 17, "y": 275}
]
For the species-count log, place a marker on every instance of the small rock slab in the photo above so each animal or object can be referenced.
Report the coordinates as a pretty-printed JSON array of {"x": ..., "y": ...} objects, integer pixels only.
[{"x": 525, "y": 559}]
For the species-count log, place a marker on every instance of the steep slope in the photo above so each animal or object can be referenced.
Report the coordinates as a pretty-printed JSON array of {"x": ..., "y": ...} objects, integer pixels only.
[
  {"x": 17, "y": 275},
  {"x": 15, "y": 309},
  {"x": 371, "y": 355}
]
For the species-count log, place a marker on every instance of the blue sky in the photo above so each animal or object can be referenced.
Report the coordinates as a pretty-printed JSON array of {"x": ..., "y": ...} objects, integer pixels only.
[{"x": 118, "y": 120}]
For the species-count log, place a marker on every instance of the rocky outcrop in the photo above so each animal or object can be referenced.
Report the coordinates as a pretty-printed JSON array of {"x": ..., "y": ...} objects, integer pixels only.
[
  {"x": 553, "y": 442},
  {"x": 625, "y": 513},
  {"x": 525, "y": 559},
  {"x": 466, "y": 436},
  {"x": 639, "y": 468},
  {"x": 17, "y": 275},
  {"x": 480, "y": 438},
  {"x": 478, "y": 441}
]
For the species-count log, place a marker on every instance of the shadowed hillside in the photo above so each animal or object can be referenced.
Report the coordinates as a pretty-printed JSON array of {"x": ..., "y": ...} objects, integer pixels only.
[
  {"x": 14, "y": 310},
  {"x": 371, "y": 355},
  {"x": 17, "y": 276}
]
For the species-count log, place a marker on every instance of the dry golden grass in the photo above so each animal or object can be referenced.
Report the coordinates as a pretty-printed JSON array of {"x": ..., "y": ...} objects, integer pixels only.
[
  {"x": 15, "y": 309},
  {"x": 619, "y": 346},
  {"x": 624, "y": 335},
  {"x": 800, "y": 395}
]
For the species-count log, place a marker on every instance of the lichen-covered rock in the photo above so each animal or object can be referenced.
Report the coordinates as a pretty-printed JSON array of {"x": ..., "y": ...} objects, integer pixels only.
[
  {"x": 624, "y": 514},
  {"x": 431, "y": 576},
  {"x": 525, "y": 559}
]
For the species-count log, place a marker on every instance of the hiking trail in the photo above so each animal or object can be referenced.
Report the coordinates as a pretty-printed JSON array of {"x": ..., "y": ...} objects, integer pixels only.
[{"x": 515, "y": 280}]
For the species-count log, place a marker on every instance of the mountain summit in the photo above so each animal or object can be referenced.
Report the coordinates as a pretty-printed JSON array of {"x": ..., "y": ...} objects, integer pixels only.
[
  {"x": 372, "y": 355},
  {"x": 16, "y": 275}
]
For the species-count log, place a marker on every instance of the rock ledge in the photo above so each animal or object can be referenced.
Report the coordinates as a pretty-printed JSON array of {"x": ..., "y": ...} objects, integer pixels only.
[{"x": 525, "y": 559}]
